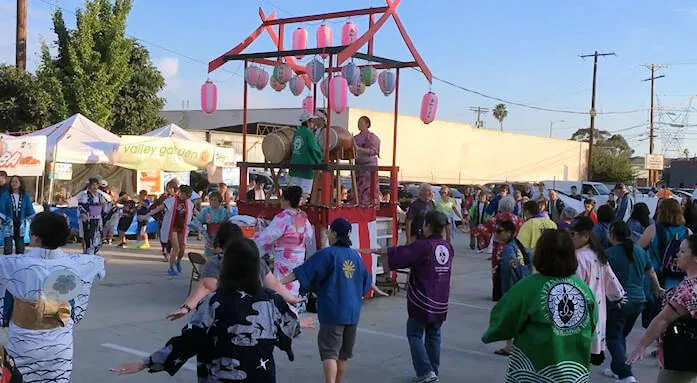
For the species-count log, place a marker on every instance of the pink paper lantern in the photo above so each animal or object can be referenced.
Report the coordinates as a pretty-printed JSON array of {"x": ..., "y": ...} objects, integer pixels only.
[
  {"x": 309, "y": 105},
  {"x": 349, "y": 33},
  {"x": 324, "y": 87},
  {"x": 387, "y": 82},
  {"x": 429, "y": 107},
  {"x": 315, "y": 70},
  {"x": 209, "y": 97},
  {"x": 251, "y": 75},
  {"x": 276, "y": 85},
  {"x": 299, "y": 40},
  {"x": 296, "y": 85},
  {"x": 338, "y": 93},
  {"x": 282, "y": 72},
  {"x": 324, "y": 38},
  {"x": 262, "y": 79}
]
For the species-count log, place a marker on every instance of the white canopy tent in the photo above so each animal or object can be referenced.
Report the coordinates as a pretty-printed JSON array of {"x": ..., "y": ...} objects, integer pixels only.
[
  {"x": 77, "y": 140},
  {"x": 174, "y": 131}
]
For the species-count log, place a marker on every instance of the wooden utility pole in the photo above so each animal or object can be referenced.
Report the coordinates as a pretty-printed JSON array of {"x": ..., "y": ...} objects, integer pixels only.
[
  {"x": 21, "y": 46},
  {"x": 652, "y": 67},
  {"x": 479, "y": 111},
  {"x": 591, "y": 134}
]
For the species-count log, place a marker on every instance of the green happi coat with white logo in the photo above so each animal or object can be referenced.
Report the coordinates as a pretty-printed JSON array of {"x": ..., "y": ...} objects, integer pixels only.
[{"x": 551, "y": 321}]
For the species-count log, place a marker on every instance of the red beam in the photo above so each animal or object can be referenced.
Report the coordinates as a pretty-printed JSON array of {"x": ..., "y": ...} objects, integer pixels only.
[
  {"x": 353, "y": 48},
  {"x": 412, "y": 49},
  {"x": 371, "y": 21},
  {"x": 220, "y": 61},
  {"x": 327, "y": 16},
  {"x": 279, "y": 43}
]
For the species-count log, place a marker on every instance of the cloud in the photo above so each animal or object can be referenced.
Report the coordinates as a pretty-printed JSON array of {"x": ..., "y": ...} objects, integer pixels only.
[{"x": 168, "y": 66}]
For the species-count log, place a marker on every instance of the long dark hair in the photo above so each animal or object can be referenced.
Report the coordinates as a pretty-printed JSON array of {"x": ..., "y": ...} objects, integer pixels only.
[
  {"x": 240, "y": 268},
  {"x": 227, "y": 232},
  {"x": 621, "y": 232},
  {"x": 585, "y": 225},
  {"x": 22, "y": 189},
  {"x": 641, "y": 214}
]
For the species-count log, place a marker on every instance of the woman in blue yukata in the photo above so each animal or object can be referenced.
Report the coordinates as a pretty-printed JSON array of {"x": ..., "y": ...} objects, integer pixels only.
[{"x": 15, "y": 209}]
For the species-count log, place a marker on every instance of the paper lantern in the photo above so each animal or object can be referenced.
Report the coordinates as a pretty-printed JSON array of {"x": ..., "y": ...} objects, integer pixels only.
[
  {"x": 324, "y": 38},
  {"x": 324, "y": 87},
  {"x": 351, "y": 73},
  {"x": 282, "y": 72},
  {"x": 299, "y": 41},
  {"x": 296, "y": 85},
  {"x": 429, "y": 107},
  {"x": 251, "y": 75},
  {"x": 387, "y": 82},
  {"x": 209, "y": 97},
  {"x": 369, "y": 75},
  {"x": 262, "y": 79},
  {"x": 276, "y": 85},
  {"x": 309, "y": 105},
  {"x": 357, "y": 88},
  {"x": 315, "y": 70},
  {"x": 349, "y": 33},
  {"x": 338, "y": 93}
]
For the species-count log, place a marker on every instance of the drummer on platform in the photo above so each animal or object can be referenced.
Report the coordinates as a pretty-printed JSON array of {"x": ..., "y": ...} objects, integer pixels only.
[
  {"x": 367, "y": 153},
  {"x": 306, "y": 151}
]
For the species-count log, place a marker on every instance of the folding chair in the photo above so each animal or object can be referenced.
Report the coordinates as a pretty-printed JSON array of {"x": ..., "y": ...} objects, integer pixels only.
[{"x": 197, "y": 261}]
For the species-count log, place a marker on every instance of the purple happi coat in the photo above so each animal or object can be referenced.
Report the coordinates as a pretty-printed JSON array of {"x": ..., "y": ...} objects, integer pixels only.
[
  {"x": 431, "y": 263},
  {"x": 370, "y": 141}
]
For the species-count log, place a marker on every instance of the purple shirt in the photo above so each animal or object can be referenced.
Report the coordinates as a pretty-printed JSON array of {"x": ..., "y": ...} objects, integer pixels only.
[
  {"x": 428, "y": 289},
  {"x": 370, "y": 141}
]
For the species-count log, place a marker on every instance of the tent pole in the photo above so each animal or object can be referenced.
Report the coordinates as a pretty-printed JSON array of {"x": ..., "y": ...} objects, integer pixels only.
[{"x": 36, "y": 191}]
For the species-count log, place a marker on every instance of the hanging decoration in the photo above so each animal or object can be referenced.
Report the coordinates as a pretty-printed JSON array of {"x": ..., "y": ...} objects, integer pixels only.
[
  {"x": 315, "y": 70},
  {"x": 349, "y": 33},
  {"x": 209, "y": 97},
  {"x": 369, "y": 75},
  {"x": 251, "y": 75},
  {"x": 262, "y": 79},
  {"x": 387, "y": 82},
  {"x": 324, "y": 87},
  {"x": 299, "y": 40},
  {"x": 429, "y": 107},
  {"x": 296, "y": 85},
  {"x": 309, "y": 105},
  {"x": 282, "y": 72},
  {"x": 357, "y": 88},
  {"x": 324, "y": 38},
  {"x": 351, "y": 73},
  {"x": 276, "y": 85},
  {"x": 338, "y": 93}
]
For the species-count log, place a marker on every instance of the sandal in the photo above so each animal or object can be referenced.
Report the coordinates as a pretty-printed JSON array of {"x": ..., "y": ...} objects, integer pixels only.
[{"x": 503, "y": 352}]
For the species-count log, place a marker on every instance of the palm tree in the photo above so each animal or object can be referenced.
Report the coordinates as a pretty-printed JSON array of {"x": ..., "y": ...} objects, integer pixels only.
[{"x": 500, "y": 113}]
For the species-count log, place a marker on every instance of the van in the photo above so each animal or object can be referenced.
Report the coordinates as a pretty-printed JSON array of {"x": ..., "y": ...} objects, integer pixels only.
[{"x": 594, "y": 190}]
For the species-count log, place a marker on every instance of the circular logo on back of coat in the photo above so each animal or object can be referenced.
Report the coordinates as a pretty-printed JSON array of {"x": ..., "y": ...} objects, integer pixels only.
[
  {"x": 566, "y": 305},
  {"x": 62, "y": 285},
  {"x": 442, "y": 254}
]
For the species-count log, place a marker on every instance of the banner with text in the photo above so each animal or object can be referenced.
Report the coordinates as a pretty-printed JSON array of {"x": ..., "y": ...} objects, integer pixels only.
[
  {"x": 23, "y": 156},
  {"x": 163, "y": 153},
  {"x": 150, "y": 180}
]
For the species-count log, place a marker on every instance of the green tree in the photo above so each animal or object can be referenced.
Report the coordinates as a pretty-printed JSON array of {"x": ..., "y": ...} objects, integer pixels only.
[
  {"x": 136, "y": 108},
  {"x": 611, "y": 155},
  {"x": 500, "y": 113},
  {"x": 23, "y": 104}
]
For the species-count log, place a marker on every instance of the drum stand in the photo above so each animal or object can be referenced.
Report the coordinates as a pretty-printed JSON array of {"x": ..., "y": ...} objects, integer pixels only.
[{"x": 315, "y": 197}]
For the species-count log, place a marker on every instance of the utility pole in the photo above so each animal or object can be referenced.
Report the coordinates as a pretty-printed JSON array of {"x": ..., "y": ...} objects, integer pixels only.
[
  {"x": 479, "y": 111},
  {"x": 21, "y": 46},
  {"x": 591, "y": 135},
  {"x": 652, "y": 68}
]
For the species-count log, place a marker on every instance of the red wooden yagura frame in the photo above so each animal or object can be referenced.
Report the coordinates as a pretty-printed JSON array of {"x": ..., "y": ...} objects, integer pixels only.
[{"x": 337, "y": 55}]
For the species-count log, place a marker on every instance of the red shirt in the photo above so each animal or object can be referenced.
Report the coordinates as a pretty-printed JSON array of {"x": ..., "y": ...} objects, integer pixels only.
[{"x": 179, "y": 219}]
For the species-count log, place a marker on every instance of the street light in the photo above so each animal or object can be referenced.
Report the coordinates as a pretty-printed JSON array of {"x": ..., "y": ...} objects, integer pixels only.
[{"x": 551, "y": 123}]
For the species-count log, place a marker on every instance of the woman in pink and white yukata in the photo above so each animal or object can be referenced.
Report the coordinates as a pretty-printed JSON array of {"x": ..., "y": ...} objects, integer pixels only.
[{"x": 288, "y": 236}]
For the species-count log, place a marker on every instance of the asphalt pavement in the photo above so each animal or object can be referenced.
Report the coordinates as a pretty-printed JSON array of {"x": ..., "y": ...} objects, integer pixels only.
[{"x": 126, "y": 321}]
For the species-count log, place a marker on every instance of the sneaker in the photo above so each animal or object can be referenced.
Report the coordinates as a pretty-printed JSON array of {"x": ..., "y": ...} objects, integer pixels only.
[
  {"x": 172, "y": 272},
  {"x": 428, "y": 378},
  {"x": 608, "y": 372},
  {"x": 144, "y": 245},
  {"x": 123, "y": 246},
  {"x": 629, "y": 379},
  {"x": 179, "y": 267}
]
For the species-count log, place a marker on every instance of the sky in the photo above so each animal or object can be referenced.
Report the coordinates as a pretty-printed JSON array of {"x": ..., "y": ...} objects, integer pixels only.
[{"x": 524, "y": 52}]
